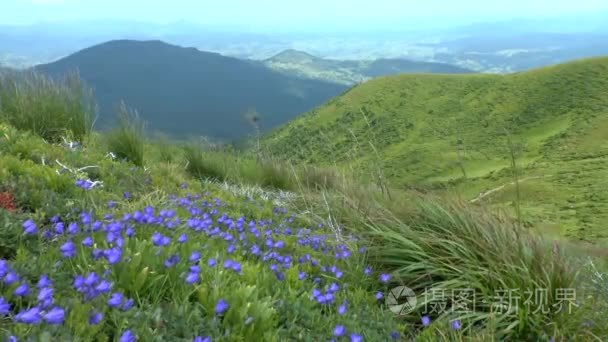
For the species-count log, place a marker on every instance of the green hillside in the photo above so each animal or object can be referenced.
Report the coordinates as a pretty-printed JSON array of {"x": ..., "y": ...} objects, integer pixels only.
[{"x": 430, "y": 131}]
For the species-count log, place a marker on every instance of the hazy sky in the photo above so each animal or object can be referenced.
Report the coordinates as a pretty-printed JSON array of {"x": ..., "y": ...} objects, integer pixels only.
[{"x": 293, "y": 13}]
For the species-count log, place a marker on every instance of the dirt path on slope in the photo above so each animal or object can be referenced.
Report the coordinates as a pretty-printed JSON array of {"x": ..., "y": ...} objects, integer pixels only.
[{"x": 491, "y": 191}]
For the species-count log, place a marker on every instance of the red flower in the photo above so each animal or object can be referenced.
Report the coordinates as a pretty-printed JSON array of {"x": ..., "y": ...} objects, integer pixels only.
[{"x": 6, "y": 201}]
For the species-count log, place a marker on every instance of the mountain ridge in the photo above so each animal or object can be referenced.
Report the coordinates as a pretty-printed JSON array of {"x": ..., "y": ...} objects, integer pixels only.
[{"x": 200, "y": 89}]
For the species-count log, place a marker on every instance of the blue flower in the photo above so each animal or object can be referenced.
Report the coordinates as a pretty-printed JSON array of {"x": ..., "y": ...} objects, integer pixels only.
[
  {"x": 96, "y": 253},
  {"x": 55, "y": 316},
  {"x": 103, "y": 286},
  {"x": 182, "y": 238},
  {"x": 5, "y": 307},
  {"x": 85, "y": 218},
  {"x": 356, "y": 337},
  {"x": 128, "y": 304},
  {"x": 22, "y": 290},
  {"x": 160, "y": 240},
  {"x": 339, "y": 330},
  {"x": 130, "y": 231},
  {"x": 192, "y": 278},
  {"x": 115, "y": 300},
  {"x": 172, "y": 260},
  {"x": 379, "y": 295},
  {"x": 4, "y": 267},
  {"x": 426, "y": 321},
  {"x": 211, "y": 262},
  {"x": 456, "y": 325},
  {"x": 342, "y": 309},
  {"x": 29, "y": 227},
  {"x": 395, "y": 335},
  {"x": 31, "y": 316},
  {"x": 68, "y": 249},
  {"x": 221, "y": 306},
  {"x": 45, "y": 294},
  {"x": 97, "y": 225},
  {"x": 44, "y": 282},
  {"x": 236, "y": 267},
  {"x": 202, "y": 339},
  {"x": 384, "y": 278},
  {"x": 59, "y": 228},
  {"x": 195, "y": 257},
  {"x": 95, "y": 318},
  {"x": 113, "y": 255},
  {"x": 87, "y": 241},
  {"x": 329, "y": 298},
  {"x": 73, "y": 228},
  {"x": 127, "y": 336}
]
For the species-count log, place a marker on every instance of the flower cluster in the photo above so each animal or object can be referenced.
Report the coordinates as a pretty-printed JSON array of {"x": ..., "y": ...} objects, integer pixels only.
[{"x": 191, "y": 243}]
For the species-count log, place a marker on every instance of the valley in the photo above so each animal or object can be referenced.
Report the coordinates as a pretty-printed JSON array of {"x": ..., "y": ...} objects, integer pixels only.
[{"x": 351, "y": 72}]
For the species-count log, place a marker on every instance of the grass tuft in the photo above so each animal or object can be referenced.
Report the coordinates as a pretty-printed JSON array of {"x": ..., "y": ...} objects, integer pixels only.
[
  {"x": 204, "y": 165},
  {"x": 50, "y": 108},
  {"x": 127, "y": 141},
  {"x": 446, "y": 247}
]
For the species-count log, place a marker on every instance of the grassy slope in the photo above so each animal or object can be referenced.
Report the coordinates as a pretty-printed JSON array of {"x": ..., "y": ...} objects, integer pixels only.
[
  {"x": 557, "y": 118},
  {"x": 265, "y": 305}
]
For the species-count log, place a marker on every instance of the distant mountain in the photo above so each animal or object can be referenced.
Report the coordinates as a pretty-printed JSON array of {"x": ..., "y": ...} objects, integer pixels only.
[
  {"x": 507, "y": 51},
  {"x": 294, "y": 56},
  {"x": 350, "y": 71},
  {"x": 460, "y": 130},
  {"x": 184, "y": 91}
]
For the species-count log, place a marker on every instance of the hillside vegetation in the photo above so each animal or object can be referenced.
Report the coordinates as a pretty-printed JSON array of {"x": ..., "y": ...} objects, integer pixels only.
[
  {"x": 461, "y": 132},
  {"x": 115, "y": 237},
  {"x": 186, "y": 92},
  {"x": 350, "y": 72}
]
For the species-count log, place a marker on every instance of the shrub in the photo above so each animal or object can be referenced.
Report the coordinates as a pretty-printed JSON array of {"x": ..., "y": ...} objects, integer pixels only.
[
  {"x": 127, "y": 140},
  {"x": 446, "y": 247},
  {"x": 7, "y": 202},
  {"x": 51, "y": 108}
]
